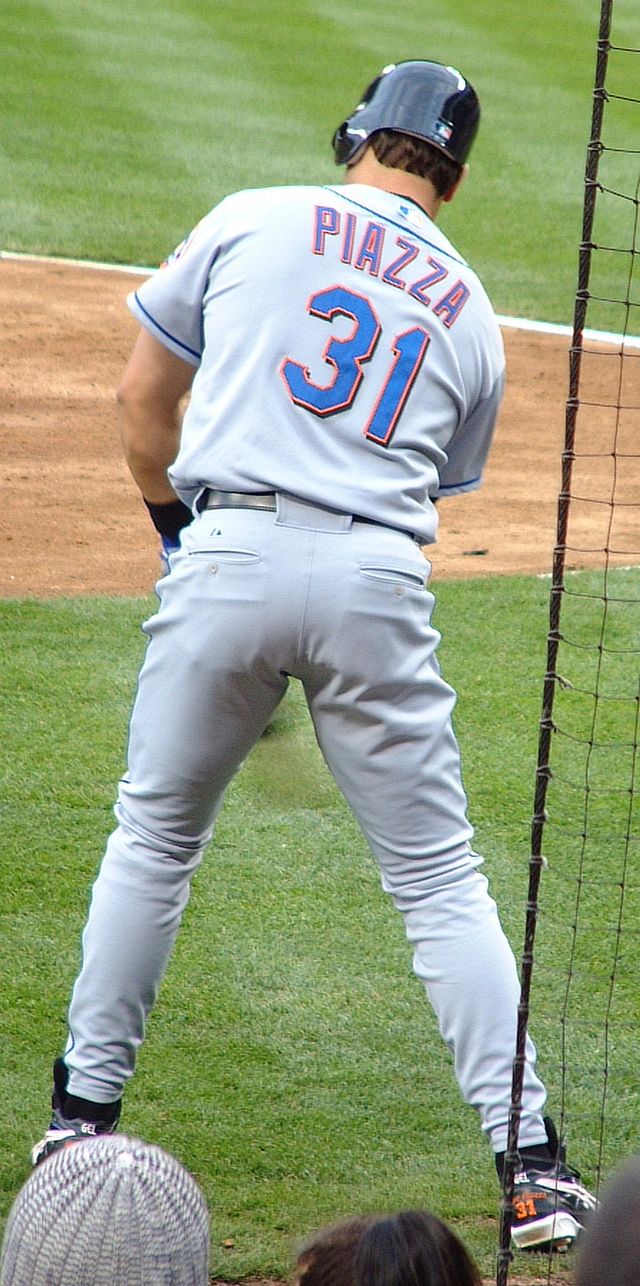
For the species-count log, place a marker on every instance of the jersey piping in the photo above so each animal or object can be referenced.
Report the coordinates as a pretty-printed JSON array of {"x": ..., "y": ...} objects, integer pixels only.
[
  {"x": 469, "y": 482},
  {"x": 163, "y": 331},
  {"x": 378, "y": 214}
]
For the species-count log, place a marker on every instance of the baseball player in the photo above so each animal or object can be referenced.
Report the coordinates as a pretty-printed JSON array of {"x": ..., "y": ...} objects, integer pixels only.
[{"x": 345, "y": 371}]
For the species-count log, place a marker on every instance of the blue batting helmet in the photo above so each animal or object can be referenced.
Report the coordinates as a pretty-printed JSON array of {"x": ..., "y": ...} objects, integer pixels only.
[{"x": 424, "y": 99}]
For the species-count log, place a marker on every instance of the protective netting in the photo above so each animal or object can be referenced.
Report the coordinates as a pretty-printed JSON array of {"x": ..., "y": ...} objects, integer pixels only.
[{"x": 581, "y": 954}]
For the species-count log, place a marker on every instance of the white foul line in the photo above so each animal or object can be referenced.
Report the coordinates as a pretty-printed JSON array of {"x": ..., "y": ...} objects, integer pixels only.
[{"x": 78, "y": 263}]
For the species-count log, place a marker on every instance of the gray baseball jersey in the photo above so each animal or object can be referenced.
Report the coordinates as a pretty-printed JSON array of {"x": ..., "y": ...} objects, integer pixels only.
[{"x": 373, "y": 385}]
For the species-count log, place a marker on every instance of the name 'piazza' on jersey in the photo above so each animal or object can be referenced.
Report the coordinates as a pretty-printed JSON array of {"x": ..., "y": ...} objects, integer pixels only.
[
  {"x": 363, "y": 245},
  {"x": 374, "y": 385}
]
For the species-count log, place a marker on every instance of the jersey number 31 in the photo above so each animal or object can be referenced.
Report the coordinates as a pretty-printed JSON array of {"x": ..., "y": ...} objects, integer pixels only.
[{"x": 347, "y": 357}]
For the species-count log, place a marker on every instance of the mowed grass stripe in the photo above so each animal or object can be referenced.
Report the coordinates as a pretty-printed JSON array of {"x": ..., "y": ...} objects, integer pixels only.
[{"x": 137, "y": 127}]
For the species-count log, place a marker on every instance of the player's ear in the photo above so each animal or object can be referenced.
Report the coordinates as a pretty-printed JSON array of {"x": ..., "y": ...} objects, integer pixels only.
[{"x": 448, "y": 196}]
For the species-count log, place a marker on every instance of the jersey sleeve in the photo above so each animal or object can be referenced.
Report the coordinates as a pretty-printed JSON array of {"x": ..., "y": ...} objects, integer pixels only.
[
  {"x": 169, "y": 304},
  {"x": 469, "y": 447}
]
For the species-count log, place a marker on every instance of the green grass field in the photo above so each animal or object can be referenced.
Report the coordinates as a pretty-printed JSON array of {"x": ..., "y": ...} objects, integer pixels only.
[
  {"x": 292, "y": 1062},
  {"x": 122, "y": 125}
]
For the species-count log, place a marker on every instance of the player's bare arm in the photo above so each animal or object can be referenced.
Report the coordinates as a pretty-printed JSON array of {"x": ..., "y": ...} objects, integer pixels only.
[{"x": 149, "y": 398}]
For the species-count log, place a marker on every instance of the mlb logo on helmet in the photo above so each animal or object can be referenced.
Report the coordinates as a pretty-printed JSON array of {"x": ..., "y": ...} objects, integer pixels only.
[{"x": 442, "y": 131}]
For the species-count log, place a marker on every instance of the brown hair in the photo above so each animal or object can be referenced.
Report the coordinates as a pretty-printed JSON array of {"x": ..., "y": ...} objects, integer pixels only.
[
  {"x": 328, "y": 1258},
  {"x": 411, "y": 1248},
  {"x": 416, "y": 156}
]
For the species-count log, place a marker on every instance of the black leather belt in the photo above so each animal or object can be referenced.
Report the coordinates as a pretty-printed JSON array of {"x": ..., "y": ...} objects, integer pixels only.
[
  {"x": 238, "y": 500},
  {"x": 267, "y": 500}
]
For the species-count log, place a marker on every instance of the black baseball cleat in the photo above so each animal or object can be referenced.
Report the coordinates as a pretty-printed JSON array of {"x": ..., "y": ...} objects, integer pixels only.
[
  {"x": 550, "y": 1208},
  {"x": 67, "y": 1125}
]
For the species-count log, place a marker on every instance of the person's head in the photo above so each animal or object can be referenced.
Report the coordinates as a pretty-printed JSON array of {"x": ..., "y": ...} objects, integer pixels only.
[
  {"x": 416, "y": 117},
  {"x": 609, "y": 1248},
  {"x": 111, "y": 1211},
  {"x": 410, "y": 1248}
]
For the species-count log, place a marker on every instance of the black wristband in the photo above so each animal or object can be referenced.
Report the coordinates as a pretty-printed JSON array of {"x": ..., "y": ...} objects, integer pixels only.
[{"x": 169, "y": 519}]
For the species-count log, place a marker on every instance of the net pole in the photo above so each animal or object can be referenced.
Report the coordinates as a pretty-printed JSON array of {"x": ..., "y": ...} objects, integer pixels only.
[{"x": 543, "y": 771}]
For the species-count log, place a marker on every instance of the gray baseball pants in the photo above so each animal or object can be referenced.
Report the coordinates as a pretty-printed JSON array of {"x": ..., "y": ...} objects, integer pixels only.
[{"x": 253, "y": 597}]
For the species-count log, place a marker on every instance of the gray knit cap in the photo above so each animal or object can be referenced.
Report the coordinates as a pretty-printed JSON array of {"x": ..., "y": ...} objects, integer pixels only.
[{"x": 111, "y": 1211}]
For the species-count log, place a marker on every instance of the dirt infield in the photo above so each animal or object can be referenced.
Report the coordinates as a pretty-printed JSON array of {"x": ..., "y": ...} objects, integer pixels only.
[{"x": 71, "y": 521}]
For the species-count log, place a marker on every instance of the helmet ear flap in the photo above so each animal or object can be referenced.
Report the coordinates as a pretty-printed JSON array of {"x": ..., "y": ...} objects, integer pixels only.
[
  {"x": 344, "y": 147},
  {"x": 347, "y": 144},
  {"x": 341, "y": 146}
]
